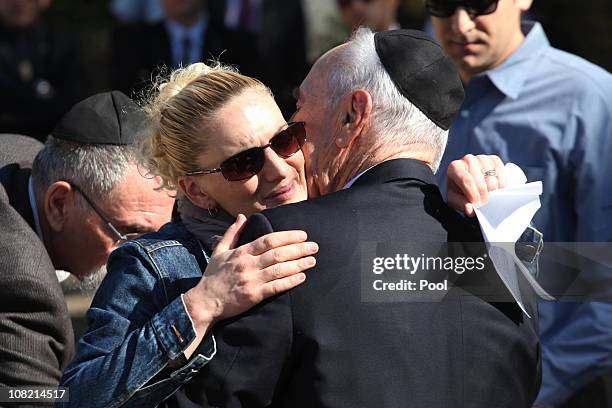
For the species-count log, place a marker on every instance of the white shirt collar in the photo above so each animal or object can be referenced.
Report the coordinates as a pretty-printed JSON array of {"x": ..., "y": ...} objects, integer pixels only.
[
  {"x": 354, "y": 179},
  {"x": 34, "y": 208}
]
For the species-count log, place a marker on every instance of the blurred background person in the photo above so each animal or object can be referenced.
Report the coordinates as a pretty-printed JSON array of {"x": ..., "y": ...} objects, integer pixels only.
[
  {"x": 137, "y": 11},
  {"x": 39, "y": 69},
  {"x": 265, "y": 40},
  {"x": 379, "y": 15},
  {"x": 549, "y": 112},
  {"x": 183, "y": 36}
]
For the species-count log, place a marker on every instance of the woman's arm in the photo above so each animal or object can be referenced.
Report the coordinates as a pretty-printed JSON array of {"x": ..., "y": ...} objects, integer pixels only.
[{"x": 136, "y": 331}]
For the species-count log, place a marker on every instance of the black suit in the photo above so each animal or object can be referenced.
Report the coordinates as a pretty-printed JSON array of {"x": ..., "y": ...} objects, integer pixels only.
[
  {"x": 36, "y": 339},
  {"x": 320, "y": 345},
  {"x": 276, "y": 55},
  {"x": 140, "y": 50}
]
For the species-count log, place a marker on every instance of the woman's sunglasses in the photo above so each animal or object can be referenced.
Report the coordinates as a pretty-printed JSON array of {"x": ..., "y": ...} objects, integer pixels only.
[
  {"x": 248, "y": 163},
  {"x": 446, "y": 8}
]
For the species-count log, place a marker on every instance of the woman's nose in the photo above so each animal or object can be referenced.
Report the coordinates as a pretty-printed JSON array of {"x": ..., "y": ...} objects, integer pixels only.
[{"x": 275, "y": 167}]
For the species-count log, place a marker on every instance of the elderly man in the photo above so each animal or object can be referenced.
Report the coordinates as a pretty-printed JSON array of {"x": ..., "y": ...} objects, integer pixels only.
[
  {"x": 83, "y": 196},
  {"x": 549, "y": 112},
  {"x": 376, "y": 109}
]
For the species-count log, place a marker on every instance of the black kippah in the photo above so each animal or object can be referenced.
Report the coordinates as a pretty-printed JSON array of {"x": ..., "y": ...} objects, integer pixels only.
[
  {"x": 422, "y": 73},
  {"x": 104, "y": 118}
]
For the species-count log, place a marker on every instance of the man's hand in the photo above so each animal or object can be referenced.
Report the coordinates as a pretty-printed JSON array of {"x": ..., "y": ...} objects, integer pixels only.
[
  {"x": 237, "y": 279},
  {"x": 470, "y": 179}
]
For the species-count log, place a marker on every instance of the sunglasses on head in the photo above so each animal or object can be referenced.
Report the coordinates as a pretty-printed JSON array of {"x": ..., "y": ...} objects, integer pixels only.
[
  {"x": 248, "y": 163},
  {"x": 446, "y": 8}
]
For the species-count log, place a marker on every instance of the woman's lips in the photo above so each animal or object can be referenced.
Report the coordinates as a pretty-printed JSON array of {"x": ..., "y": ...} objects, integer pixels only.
[{"x": 283, "y": 194}]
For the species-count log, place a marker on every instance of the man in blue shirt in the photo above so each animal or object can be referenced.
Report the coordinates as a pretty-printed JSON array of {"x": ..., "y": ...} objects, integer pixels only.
[{"x": 549, "y": 112}]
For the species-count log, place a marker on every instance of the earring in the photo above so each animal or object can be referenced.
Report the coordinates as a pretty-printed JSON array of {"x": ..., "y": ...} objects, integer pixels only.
[{"x": 214, "y": 212}]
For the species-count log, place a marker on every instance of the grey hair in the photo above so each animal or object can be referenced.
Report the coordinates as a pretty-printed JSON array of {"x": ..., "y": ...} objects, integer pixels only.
[
  {"x": 95, "y": 168},
  {"x": 395, "y": 120}
]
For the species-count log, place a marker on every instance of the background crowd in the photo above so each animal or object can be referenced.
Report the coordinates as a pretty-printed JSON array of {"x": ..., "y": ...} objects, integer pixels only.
[
  {"x": 56, "y": 53},
  {"x": 66, "y": 50}
]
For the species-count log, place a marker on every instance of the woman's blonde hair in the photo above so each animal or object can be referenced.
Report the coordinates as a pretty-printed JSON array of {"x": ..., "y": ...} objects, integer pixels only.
[{"x": 180, "y": 107}]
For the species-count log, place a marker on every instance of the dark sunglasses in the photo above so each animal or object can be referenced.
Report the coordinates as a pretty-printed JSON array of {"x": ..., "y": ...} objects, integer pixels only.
[
  {"x": 248, "y": 163},
  {"x": 446, "y": 8}
]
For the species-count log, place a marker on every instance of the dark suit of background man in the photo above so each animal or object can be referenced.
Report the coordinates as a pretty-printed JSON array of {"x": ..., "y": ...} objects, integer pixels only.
[
  {"x": 185, "y": 35},
  {"x": 48, "y": 224},
  {"x": 369, "y": 156},
  {"x": 262, "y": 38}
]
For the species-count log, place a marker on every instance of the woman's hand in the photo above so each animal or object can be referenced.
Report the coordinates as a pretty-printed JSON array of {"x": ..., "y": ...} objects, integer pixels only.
[
  {"x": 470, "y": 179},
  {"x": 237, "y": 279}
]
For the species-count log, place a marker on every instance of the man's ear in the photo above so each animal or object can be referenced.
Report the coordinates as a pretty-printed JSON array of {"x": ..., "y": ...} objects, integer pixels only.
[
  {"x": 195, "y": 194},
  {"x": 356, "y": 117},
  {"x": 58, "y": 201}
]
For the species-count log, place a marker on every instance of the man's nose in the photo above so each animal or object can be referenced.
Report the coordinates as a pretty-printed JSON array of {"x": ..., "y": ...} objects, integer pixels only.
[{"x": 461, "y": 21}]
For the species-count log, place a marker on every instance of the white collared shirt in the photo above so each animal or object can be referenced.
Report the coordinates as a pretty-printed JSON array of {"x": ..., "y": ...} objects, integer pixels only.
[{"x": 354, "y": 179}]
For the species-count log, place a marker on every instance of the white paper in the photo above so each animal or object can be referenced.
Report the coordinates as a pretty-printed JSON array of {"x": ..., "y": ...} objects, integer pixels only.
[{"x": 502, "y": 221}]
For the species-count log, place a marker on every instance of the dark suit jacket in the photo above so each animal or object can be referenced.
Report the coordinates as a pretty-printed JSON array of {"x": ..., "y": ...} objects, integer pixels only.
[
  {"x": 139, "y": 51},
  {"x": 276, "y": 55},
  {"x": 34, "y": 99},
  {"x": 36, "y": 339},
  {"x": 321, "y": 345}
]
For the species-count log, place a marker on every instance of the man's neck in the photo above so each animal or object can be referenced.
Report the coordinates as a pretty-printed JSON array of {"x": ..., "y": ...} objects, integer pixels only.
[{"x": 367, "y": 161}]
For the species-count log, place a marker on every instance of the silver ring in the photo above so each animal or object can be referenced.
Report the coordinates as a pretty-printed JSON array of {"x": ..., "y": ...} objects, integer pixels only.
[{"x": 490, "y": 173}]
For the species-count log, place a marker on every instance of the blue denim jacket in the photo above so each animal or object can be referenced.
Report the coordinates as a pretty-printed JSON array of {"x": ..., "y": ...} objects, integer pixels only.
[{"x": 132, "y": 353}]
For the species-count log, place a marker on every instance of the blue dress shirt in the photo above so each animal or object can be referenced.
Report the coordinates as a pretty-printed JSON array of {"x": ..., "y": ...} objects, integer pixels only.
[{"x": 550, "y": 112}]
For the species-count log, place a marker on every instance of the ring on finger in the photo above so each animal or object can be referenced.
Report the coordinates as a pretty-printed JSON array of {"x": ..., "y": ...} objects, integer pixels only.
[{"x": 489, "y": 173}]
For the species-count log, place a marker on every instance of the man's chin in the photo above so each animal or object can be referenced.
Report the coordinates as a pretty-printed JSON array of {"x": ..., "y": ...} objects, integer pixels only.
[{"x": 91, "y": 281}]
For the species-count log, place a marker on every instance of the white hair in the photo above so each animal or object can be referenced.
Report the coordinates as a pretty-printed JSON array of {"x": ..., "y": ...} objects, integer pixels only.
[{"x": 396, "y": 122}]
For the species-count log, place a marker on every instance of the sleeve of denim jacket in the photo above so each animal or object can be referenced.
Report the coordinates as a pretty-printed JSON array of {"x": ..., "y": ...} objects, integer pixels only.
[{"x": 134, "y": 332}]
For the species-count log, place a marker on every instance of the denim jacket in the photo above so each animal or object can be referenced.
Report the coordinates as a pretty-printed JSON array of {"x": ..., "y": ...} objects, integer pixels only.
[{"x": 132, "y": 353}]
